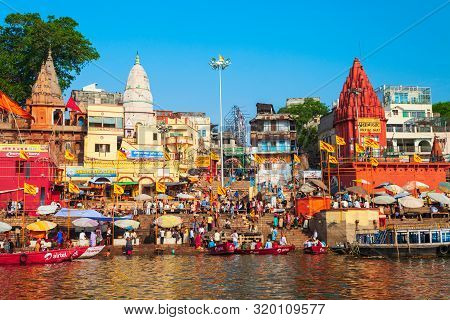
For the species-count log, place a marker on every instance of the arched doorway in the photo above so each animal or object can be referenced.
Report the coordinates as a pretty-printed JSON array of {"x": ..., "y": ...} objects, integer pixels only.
[{"x": 424, "y": 146}]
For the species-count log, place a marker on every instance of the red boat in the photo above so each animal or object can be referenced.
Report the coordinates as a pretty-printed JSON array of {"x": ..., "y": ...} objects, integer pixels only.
[
  {"x": 222, "y": 249},
  {"x": 262, "y": 251},
  {"x": 316, "y": 249},
  {"x": 43, "y": 257}
]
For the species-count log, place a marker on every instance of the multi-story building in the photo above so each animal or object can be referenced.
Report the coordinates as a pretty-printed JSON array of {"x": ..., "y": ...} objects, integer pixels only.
[
  {"x": 273, "y": 138},
  {"x": 411, "y": 124}
]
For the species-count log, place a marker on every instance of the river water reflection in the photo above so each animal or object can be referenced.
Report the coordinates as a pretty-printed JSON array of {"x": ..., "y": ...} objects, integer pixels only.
[{"x": 295, "y": 276}]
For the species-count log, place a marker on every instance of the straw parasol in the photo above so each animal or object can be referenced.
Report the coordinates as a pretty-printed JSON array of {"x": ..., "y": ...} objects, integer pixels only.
[
  {"x": 168, "y": 221},
  {"x": 362, "y": 181},
  {"x": 394, "y": 188},
  {"x": 85, "y": 223},
  {"x": 411, "y": 202},
  {"x": 439, "y": 197},
  {"x": 382, "y": 185},
  {"x": 383, "y": 200},
  {"x": 127, "y": 224},
  {"x": 413, "y": 185},
  {"x": 306, "y": 188},
  {"x": 143, "y": 197},
  {"x": 357, "y": 190}
]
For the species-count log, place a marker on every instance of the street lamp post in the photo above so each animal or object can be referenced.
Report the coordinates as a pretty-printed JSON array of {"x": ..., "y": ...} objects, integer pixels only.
[{"x": 220, "y": 64}]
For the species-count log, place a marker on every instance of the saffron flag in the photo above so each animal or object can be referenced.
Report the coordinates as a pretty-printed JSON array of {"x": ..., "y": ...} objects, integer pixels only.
[
  {"x": 417, "y": 158},
  {"x": 23, "y": 155},
  {"x": 374, "y": 162},
  {"x": 73, "y": 188},
  {"x": 71, "y": 104},
  {"x": 332, "y": 159},
  {"x": 118, "y": 190},
  {"x": 359, "y": 148},
  {"x": 371, "y": 143},
  {"x": 121, "y": 155},
  {"x": 166, "y": 156},
  {"x": 326, "y": 146},
  {"x": 214, "y": 156},
  {"x": 258, "y": 159},
  {"x": 297, "y": 159},
  {"x": 30, "y": 189},
  {"x": 160, "y": 187},
  {"x": 9, "y": 105},
  {"x": 221, "y": 191},
  {"x": 69, "y": 155},
  {"x": 340, "y": 141}
]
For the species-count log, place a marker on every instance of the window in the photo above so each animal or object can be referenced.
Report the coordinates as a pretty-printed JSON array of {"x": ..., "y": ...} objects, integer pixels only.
[
  {"x": 389, "y": 128},
  {"x": 109, "y": 122},
  {"x": 119, "y": 123},
  {"x": 95, "y": 122},
  {"x": 204, "y": 133},
  {"x": 401, "y": 97},
  {"x": 283, "y": 125},
  {"x": 267, "y": 126},
  {"x": 413, "y": 114},
  {"x": 19, "y": 166},
  {"x": 102, "y": 148},
  {"x": 27, "y": 170},
  {"x": 395, "y": 112},
  {"x": 155, "y": 136}
]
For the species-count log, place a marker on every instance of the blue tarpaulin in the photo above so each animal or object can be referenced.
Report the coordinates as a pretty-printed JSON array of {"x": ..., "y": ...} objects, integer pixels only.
[{"x": 88, "y": 213}]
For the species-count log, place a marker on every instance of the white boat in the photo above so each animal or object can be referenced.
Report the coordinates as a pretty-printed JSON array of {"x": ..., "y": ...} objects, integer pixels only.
[{"x": 91, "y": 252}]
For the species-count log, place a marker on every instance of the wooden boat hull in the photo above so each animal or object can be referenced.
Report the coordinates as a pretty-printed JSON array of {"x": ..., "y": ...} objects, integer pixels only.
[
  {"x": 315, "y": 250},
  {"x": 272, "y": 251},
  {"x": 43, "y": 257},
  {"x": 91, "y": 252},
  {"x": 222, "y": 249},
  {"x": 402, "y": 250}
]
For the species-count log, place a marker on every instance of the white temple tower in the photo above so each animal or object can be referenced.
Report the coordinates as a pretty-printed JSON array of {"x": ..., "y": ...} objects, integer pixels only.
[{"x": 137, "y": 100}]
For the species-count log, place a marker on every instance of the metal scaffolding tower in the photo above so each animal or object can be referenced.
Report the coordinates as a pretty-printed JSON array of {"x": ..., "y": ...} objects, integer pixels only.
[{"x": 236, "y": 123}]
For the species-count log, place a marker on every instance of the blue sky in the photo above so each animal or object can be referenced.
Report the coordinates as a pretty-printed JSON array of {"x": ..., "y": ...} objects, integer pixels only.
[{"x": 279, "y": 49}]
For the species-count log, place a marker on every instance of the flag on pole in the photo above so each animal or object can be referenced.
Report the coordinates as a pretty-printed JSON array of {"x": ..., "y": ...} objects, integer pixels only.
[
  {"x": 371, "y": 143},
  {"x": 326, "y": 146},
  {"x": 359, "y": 148},
  {"x": 30, "y": 189},
  {"x": 73, "y": 188},
  {"x": 23, "y": 155},
  {"x": 121, "y": 155},
  {"x": 332, "y": 159},
  {"x": 160, "y": 187},
  {"x": 221, "y": 191},
  {"x": 340, "y": 141},
  {"x": 214, "y": 156},
  {"x": 297, "y": 159},
  {"x": 166, "y": 156},
  {"x": 71, "y": 104},
  {"x": 374, "y": 162},
  {"x": 69, "y": 155},
  {"x": 417, "y": 158},
  {"x": 9, "y": 105},
  {"x": 258, "y": 159},
  {"x": 118, "y": 190}
]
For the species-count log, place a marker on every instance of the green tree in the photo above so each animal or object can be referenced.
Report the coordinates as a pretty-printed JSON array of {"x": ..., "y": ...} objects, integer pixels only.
[
  {"x": 25, "y": 40},
  {"x": 307, "y": 133},
  {"x": 443, "y": 108}
]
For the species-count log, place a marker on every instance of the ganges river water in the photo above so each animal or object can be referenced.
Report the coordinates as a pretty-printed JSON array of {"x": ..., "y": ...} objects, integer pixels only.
[{"x": 295, "y": 276}]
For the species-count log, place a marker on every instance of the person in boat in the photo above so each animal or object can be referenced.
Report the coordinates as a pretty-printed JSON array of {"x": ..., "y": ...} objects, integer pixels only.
[
  {"x": 253, "y": 245},
  {"x": 274, "y": 234},
  {"x": 283, "y": 240},
  {"x": 258, "y": 244},
  {"x": 211, "y": 243},
  {"x": 217, "y": 236},
  {"x": 275, "y": 245},
  {"x": 60, "y": 239},
  {"x": 268, "y": 244},
  {"x": 235, "y": 238},
  {"x": 93, "y": 239},
  {"x": 198, "y": 241},
  {"x": 37, "y": 247},
  {"x": 82, "y": 235}
]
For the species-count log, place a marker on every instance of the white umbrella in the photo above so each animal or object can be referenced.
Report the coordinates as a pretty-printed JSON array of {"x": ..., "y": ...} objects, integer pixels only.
[
  {"x": 394, "y": 188},
  {"x": 306, "y": 188},
  {"x": 411, "y": 202},
  {"x": 85, "y": 223},
  {"x": 44, "y": 210},
  {"x": 402, "y": 195},
  {"x": 439, "y": 197},
  {"x": 162, "y": 196},
  {"x": 383, "y": 200},
  {"x": 185, "y": 196},
  {"x": 413, "y": 185},
  {"x": 4, "y": 227},
  {"x": 143, "y": 197},
  {"x": 127, "y": 224}
]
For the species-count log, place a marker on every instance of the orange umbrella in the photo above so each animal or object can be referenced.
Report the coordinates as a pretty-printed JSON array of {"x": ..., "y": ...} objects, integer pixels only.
[{"x": 6, "y": 103}]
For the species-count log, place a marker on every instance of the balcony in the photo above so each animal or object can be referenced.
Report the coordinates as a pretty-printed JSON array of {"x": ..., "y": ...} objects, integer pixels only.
[
  {"x": 179, "y": 140},
  {"x": 275, "y": 149}
]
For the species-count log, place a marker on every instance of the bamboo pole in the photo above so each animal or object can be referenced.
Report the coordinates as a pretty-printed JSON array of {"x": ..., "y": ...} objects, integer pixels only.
[
  {"x": 321, "y": 170},
  {"x": 338, "y": 168},
  {"x": 329, "y": 174}
]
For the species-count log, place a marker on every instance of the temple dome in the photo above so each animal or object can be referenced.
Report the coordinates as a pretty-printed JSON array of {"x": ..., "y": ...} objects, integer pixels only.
[{"x": 137, "y": 96}]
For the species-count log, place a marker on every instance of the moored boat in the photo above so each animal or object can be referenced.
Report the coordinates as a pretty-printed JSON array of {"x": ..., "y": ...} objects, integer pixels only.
[
  {"x": 316, "y": 249},
  {"x": 222, "y": 249},
  {"x": 42, "y": 257},
  {"x": 271, "y": 251},
  {"x": 91, "y": 252}
]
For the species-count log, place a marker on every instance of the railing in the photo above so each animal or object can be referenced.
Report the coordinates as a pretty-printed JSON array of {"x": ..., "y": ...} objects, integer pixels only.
[{"x": 275, "y": 149}]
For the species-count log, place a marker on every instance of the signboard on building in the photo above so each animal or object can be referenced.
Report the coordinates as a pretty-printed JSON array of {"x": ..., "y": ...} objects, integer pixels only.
[
  {"x": 203, "y": 161},
  {"x": 311, "y": 174},
  {"x": 13, "y": 150},
  {"x": 369, "y": 125},
  {"x": 90, "y": 172},
  {"x": 144, "y": 154}
]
